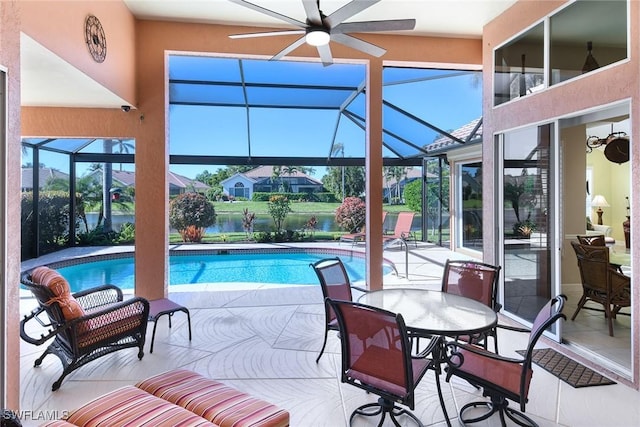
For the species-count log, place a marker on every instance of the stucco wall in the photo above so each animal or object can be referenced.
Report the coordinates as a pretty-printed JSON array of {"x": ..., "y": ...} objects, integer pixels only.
[
  {"x": 10, "y": 61},
  {"x": 59, "y": 26},
  {"x": 601, "y": 87}
]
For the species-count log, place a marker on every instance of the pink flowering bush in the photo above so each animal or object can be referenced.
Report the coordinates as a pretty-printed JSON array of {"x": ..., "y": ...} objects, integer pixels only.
[
  {"x": 351, "y": 214},
  {"x": 190, "y": 214}
]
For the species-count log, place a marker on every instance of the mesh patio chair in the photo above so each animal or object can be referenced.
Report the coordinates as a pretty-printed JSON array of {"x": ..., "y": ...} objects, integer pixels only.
[
  {"x": 376, "y": 357},
  {"x": 501, "y": 378},
  {"x": 85, "y": 325},
  {"x": 476, "y": 280},
  {"x": 602, "y": 282},
  {"x": 402, "y": 231},
  {"x": 361, "y": 236},
  {"x": 335, "y": 284}
]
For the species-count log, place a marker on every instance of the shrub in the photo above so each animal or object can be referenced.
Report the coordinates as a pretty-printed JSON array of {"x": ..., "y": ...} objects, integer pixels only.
[
  {"x": 247, "y": 222},
  {"x": 127, "y": 234},
  {"x": 351, "y": 214},
  {"x": 53, "y": 220},
  {"x": 413, "y": 195},
  {"x": 192, "y": 234},
  {"x": 278, "y": 209},
  {"x": 191, "y": 210}
]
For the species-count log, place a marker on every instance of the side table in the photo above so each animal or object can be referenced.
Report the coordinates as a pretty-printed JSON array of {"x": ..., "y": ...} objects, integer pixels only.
[{"x": 160, "y": 307}]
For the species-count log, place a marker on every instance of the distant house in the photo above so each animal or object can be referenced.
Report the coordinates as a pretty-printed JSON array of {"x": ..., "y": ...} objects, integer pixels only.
[
  {"x": 390, "y": 186},
  {"x": 44, "y": 176},
  {"x": 260, "y": 180},
  {"x": 178, "y": 184}
]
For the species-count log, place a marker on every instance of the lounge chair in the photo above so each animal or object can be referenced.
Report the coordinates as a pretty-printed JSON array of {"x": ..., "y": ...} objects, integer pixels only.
[
  {"x": 85, "y": 325},
  {"x": 402, "y": 232},
  {"x": 361, "y": 236}
]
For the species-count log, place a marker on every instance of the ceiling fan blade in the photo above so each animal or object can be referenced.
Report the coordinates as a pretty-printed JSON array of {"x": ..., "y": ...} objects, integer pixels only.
[
  {"x": 373, "y": 26},
  {"x": 347, "y": 11},
  {"x": 312, "y": 11},
  {"x": 361, "y": 45},
  {"x": 325, "y": 55},
  {"x": 270, "y": 13},
  {"x": 288, "y": 49},
  {"x": 266, "y": 34}
]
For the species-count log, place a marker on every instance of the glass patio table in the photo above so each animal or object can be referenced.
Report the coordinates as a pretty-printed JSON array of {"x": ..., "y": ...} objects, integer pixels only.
[{"x": 435, "y": 315}]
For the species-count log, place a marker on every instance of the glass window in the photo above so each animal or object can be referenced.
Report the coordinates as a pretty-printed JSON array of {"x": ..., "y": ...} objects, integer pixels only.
[
  {"x": 470, "y": 176},
  {"x": 585, "y": 36},
  {"x": 519, "y": 66}
]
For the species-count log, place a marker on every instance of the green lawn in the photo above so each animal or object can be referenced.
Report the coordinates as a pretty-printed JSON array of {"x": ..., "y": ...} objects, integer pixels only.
[{"x": 261, "y": 207}]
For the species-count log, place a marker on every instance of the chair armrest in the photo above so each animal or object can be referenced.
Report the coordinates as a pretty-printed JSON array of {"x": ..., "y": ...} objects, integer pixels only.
[
  {"x": 98, "y": 296},
  {"x": 104, "y": 323},
  {"x": 454, "y": 353},
  {"x": 136, "y": 306},
  {"x": 53, "y": 328},
  {"x": 514, "y": 328},
  {"x": 357, "y": 288}
]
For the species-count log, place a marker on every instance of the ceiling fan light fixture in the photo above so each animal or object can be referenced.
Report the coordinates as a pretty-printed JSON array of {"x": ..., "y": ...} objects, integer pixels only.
[{"x": 317, "y": 36}]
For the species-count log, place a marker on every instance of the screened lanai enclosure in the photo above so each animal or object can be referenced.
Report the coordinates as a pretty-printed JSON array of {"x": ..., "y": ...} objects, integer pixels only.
[{"x": 228, "y": 111}]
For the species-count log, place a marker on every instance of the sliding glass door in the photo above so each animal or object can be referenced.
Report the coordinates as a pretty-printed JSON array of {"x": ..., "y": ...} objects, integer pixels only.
[
  {"x": 435, "y": 209},
  {"x": 528, "y": 253}
]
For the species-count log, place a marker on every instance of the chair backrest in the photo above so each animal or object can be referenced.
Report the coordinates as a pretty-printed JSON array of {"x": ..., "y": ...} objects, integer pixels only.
[
  {"x": 334, "y": 282},
  {"x": 593, "y": 264},
  {"x": 375, "y": 350},
  {"x": 594, "y": 240},
  {"x": 403, "y": 223},
  {"x": 547, "y": 316},
  {"x": 46, "y": 299},
  {"x": 472, "y": 279}
]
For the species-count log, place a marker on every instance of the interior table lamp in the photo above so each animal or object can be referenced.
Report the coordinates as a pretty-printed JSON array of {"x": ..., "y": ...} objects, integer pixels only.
[{"x": 599, "y": 202}]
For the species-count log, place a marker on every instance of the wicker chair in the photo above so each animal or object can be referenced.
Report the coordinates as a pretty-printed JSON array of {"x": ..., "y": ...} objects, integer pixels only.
[
  {"x": 85, "y": 325},
  {"x": 601, "y": 282}
]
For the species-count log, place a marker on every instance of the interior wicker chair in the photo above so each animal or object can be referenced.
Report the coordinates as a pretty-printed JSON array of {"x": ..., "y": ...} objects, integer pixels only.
[
  {"x": 602, "y": 282},
  {"x": 335, "y": 284},
  {"x": 501, "y": 378},
  {"x": 85, "y": 325},
  {"x": 376, "y": 357},
  {"x": 595, "y": 240}
]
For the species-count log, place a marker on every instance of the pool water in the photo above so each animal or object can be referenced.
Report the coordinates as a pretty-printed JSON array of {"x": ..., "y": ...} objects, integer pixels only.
[{"x": 273, "y": 268}]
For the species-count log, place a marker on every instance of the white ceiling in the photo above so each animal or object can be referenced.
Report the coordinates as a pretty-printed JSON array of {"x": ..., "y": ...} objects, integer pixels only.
[{"x": 47, "y": 80}]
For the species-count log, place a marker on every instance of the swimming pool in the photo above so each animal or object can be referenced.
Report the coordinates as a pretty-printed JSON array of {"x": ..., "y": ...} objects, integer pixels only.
[{"x": 225, "y": 267}]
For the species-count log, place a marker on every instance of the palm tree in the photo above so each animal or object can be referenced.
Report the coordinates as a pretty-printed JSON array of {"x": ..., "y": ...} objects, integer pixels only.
[
  {"x": 123, "y": 147},
  {"x": 339, "y": 148},
  {"x": 276, "y": 173},
  {"x": 290, "y": 170}
]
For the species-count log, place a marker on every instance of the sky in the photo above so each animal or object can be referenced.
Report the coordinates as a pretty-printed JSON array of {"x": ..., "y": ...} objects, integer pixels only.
[{"x": 447, "y": 99}]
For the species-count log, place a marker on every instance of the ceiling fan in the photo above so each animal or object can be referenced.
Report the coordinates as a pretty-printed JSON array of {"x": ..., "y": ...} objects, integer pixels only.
[{"x": 319, "y": 29}]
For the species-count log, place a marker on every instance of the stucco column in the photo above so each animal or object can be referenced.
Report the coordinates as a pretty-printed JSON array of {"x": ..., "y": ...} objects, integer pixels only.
[
  {"x": 373, "y": 166},
  {"x": 152, "y": 167}
]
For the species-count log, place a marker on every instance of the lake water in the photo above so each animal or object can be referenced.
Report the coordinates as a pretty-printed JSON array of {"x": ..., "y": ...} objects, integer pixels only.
[{"x": 228, "y": 223}]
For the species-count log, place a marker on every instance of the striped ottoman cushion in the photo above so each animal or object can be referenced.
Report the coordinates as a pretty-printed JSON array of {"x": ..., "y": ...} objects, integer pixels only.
[
  {"x": 214, "y": 401},
  {"x": 130, "y": 406}
]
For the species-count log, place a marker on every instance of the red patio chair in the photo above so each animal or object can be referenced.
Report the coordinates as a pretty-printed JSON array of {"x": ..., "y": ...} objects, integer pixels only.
[
  {"x": 376, "y": 357},
  {"x": 335, "y": 284},
  {"x": 501, "y": 378}
]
